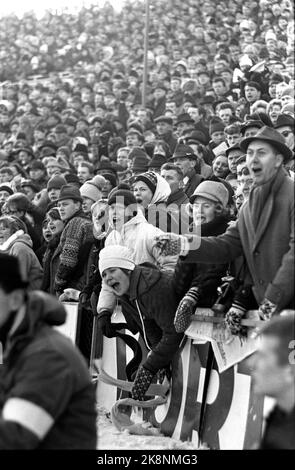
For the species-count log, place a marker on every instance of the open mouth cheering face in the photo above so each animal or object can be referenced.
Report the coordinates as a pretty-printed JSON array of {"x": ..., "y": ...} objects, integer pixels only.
[{"x": 117, "y": 280}]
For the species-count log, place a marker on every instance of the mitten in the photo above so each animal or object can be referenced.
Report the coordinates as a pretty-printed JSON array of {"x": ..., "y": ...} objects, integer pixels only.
[
  {"x": 171, "y": 244},
  {"x": 266, "y": 309},
  {"x": 233, "y": 319},
  {"x": 104, "y": 323},
  {"x": 185, "y": 309},
  {"x": 141, "y": 383}
]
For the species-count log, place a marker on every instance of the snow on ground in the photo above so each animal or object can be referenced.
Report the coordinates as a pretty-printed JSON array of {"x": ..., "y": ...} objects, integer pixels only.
[{"x": 109, "y": 438}]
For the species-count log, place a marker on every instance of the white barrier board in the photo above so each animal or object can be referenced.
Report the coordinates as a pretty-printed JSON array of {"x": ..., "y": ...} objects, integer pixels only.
[{"x": 69, "y": 328}]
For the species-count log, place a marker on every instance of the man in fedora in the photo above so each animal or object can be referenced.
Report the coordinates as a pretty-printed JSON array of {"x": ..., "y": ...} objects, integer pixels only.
[
  {"x": 47, "y": 400},
  {"x": 263, "y": 232},
  {"x": 184, "y": 122},
  {"x": 185, "y": 158}
]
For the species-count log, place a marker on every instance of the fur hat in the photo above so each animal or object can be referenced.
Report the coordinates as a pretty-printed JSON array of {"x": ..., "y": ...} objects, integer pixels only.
[{"x": 116, "y": 256}]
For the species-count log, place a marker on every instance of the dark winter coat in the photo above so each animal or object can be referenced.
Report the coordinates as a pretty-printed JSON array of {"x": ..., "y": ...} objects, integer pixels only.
[
  {"x": 50, "y": 264},
  {"x": 47, "y": 400},
  {"x": 170, "y": 139},
  {"x": 268, "y": 249},
  {"x": 193, "y": 181},
  {"x": 207, "y": 277},
  {"x": 149, "y": 308}
]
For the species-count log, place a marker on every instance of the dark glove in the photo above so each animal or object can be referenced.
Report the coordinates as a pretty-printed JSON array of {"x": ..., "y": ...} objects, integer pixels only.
[
  {"x": 141, "y": 383},
  {"x": 185, "y": 309},
  {"x": 84, "y": 300},
  {"x": 233, "y": 320},
  {"x": 266, "y": 309},
  {"x": 104, "y": 323}
]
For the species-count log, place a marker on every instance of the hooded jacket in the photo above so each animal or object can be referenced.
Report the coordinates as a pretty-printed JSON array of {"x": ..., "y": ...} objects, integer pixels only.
[
  {"x": 156, "y": 212},
  {"x": 20, "y": 245},
  {"x": 46, "y": 396}
]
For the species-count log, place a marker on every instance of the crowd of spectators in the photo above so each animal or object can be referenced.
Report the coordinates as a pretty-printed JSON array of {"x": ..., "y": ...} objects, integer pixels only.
[{"x": 86, "y": 161}]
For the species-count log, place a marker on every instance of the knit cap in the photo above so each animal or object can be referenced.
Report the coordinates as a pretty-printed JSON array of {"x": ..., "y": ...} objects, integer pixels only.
[
  {"x": 92, "y": 189},
  {"x": 149, "y": 178},
  {"x": 116, "y": 256},
  {"x": 123, "y": 194},
  {"x": 56, "y": 182}
]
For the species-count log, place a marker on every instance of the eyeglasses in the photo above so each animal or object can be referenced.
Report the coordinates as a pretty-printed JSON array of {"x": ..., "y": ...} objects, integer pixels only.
[
  {"x": 244, "y": 171},
  {"x": 286, "y": 133}
]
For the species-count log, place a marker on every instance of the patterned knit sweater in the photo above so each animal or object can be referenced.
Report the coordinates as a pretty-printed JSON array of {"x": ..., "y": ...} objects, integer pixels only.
[{"x": 75, "y": 243}]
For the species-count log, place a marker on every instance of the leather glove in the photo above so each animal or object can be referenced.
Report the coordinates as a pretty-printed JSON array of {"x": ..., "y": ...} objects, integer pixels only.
[
  {"x": 171, "y": 244},
  {"x": 233, "y": 320},
  {"x": 141, "y": 383},
  {"x": 266, "y": 309},
  {"x": 104, "y": 323},
  {"x": 185, "y": 309}
]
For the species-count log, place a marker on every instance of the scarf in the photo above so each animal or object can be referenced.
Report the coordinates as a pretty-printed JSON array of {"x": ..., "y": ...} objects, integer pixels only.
[{"x": 259, "y": 196}]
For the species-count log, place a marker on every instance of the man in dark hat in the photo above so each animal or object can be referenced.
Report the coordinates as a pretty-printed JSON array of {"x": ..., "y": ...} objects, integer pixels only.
[
  {"x": 263, "y": 233},
  {"x": 184, "y": 122},
  {"x": 156, "y": 163},
  {"x": 61, "y": 136},
  {"x": 134, "y": 138},
  {"x": 185, "y": 158},
  {"x": 285, "y": 126},
  {"x": 164, "y": 127},
  {"x": 250, "y": 127},
  {"x": 75, "y": 241},
  {"x": 47, "y": 149},
  {"x": 29, "y": 188},
  {"x": 47, "y": 399}
]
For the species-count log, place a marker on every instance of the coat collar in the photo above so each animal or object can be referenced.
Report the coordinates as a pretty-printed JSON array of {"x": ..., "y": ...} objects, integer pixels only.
[{"x": 257, "y": 234}]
